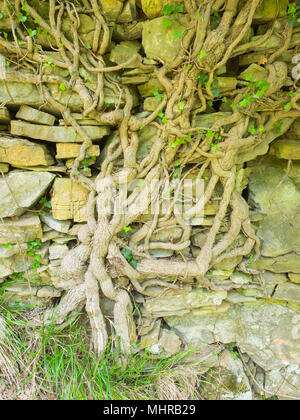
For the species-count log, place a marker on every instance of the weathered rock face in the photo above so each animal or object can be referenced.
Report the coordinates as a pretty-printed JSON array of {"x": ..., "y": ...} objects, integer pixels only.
[
  {"x": 19, "y": 231},
  {"x": 159, "y": 42},
  {"x": 183, "y": 303},
  {"x": 228, "y": 381},
  {"x": 274, "y": 194},
  {"x": 258, "y": 329}
]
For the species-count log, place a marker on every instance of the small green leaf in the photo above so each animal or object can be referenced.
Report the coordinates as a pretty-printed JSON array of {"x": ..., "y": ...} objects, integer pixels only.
[
  {"x": 202, "y": 78},
  {"x": 168, "y": 9},
  {"x": 133, "y": 263},
  {"x": 1, "y": 15},
  {"x": 21, "y": 17},
  {"x": 157, "y": 95},
  {"x": 166, "y": 23},
  {"x": 31, "y": 32},
  {"x": 216, "y": 92},
  {"x": 251, "y": 129},
  {"x": 202, "y": 55},
  {"x": 25, "y": 6},
  {"x": 127, "y": 254},
  {"x": 7, "y": 245},
  {"x": 178, "y": 9},
  {"x": 62, "y": 87},
  {"x": 181, "y": 105},
  {"x": 177, "y": 34}
]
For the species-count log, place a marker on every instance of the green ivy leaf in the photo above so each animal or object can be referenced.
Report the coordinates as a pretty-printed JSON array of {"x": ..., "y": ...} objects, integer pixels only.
[
  {"x": 202, "y": 55},
  {"x": 251, "y": 129},
  {"x": 202, "y": 78},
  {"x": 216, "y": 92},
  {"x": 133, "y": 263},
  {"x": 178, "y": 9},
  {"x": 168, "y": 9},
  {"x": 31, "y": 32},
  {"x": 166, "y": 23},
  {"x": 21, "y": 17},
  {"x": 127, "y": 254},
  {"x": 157, "y": 95},
  {"x": 25, "y": 6},
  {"x": 177, "y": 34}
]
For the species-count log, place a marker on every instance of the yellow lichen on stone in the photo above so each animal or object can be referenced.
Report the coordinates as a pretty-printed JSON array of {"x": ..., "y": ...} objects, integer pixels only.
[
  {"x": 71, "y": 150},
  {"x": 69, "y": 200},
  {"x": 153, "y": 8}
]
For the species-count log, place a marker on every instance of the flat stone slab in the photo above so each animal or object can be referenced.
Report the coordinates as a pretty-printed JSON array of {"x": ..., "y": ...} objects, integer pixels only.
[
  {"x": 288, "y": 291},
  {"x": 62, "y": 226},
  {"x": 69, "y": 200},
  {"x": 23, "y": 153},
  {"x": 21, "y": 190},
  {"x": 183, "y": 302},
  {"x": 33, "y": 115},
  {"x": 71, "y": 150},
  {"x": 20, "y": 231},
  {"x": 56, "y": 134}
]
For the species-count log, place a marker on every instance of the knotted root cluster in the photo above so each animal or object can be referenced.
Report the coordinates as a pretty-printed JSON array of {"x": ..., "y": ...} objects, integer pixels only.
[{"x": 97, "y": 265}]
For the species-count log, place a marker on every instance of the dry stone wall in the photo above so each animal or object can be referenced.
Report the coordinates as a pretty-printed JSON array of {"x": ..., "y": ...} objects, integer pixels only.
[{"x": 42, "y": 208}]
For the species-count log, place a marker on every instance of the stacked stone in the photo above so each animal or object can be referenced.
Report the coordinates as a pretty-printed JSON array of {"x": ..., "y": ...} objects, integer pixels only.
[
  {"x": 35, "y": 151},
  {"x": 40, "y": 204}
]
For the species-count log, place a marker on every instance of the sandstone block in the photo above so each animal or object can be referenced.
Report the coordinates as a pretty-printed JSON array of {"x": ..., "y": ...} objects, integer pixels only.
[
  {"x": 20, "y": 231},
  {"x": 69, "y": 200},
  {"x": 71, "y": 150},
  {"x": 23, "y": 153},
  {"x": 56, "y": 134}
]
